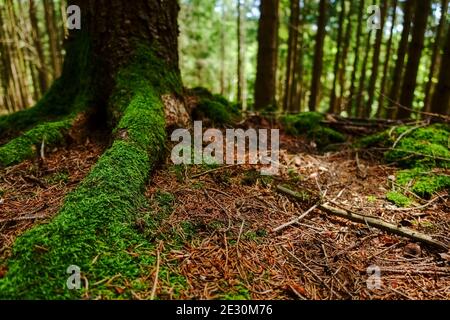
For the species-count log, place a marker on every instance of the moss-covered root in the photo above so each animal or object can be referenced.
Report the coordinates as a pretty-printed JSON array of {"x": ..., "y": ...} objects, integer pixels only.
[
  {"x": 26, "y": 146},
  {"x": 95, "y": 229}
]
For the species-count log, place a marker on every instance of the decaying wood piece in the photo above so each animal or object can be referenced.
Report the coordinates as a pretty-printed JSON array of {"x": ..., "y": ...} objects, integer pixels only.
[{"x": 373, "y": 222}]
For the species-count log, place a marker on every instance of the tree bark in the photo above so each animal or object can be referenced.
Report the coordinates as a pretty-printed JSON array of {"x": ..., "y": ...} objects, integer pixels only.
[
  {"x": 401, "y": 54},
  {"x": 291, "y": 60},
  {"x": 242, "y": 82},
  {"x": 375, "y": 61},
  {"x": 53, "y": 38},
  {"x": 350, "y": 100},
  {"x": 441, "y": 98},
  {"x": 386, "y": 62},
  {"x": 423, "y": 10},
  {"x": 318, "y": 56},
  {"x": 337, "y": 58},
  {"x": 36, "y": 36},
  {"x": 266, "y": 73},
  {"x": 435, "y": 56}
]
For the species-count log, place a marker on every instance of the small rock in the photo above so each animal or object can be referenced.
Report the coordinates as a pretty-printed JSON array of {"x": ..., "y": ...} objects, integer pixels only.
[{"x": 413, "y": 250}]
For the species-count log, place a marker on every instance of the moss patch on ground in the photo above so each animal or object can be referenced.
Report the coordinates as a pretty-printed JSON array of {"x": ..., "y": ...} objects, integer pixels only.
[
  {"x": 310, "y": 124},
  {"x": 215, "y": 107},
  {"x": 399, "y": 199},
  {"x": 96, "y": 227},
  {"x": 419, "y": 150}
]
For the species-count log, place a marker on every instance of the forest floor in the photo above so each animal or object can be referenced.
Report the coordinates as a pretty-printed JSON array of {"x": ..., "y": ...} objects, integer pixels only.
[{"x": 216, "y": 225}]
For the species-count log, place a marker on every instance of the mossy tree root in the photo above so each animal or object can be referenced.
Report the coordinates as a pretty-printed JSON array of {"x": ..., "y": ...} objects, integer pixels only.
[
  {"x": 27, "y": 145},
  {"x": 95, "y": 229}
]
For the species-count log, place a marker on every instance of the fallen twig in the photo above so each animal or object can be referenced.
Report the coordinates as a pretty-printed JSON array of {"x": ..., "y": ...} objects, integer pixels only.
[{"x": 374, "y": 222}]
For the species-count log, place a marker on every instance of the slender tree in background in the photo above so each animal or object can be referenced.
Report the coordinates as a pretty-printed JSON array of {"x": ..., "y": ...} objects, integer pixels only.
[
  {"x": 318, "y": 55},
  {"x": 265, "y": 86},
  {"x": 298, "y": 87},
  {"x": 408, "y": 13},
  {"x": 337, "y": 57},
  {"x": 436, "y": 54},
  {"x": 357, "y": 48},
  {"x": 36, "y": 36},
  {"x": 342, "y": 69},
  {"x": 242, "y": 81},
  {"x": 423, "y": 9},
  {"x": 359, "y": 105},
  {"x": 291, "y": 61},
  {"x": 441, "y": 98},
  {"x": 55, "y": 48},
  {"x": 223, "y": 49},
  {"x": 387, "y": 59},
  {"x": 376, "y": 60}
]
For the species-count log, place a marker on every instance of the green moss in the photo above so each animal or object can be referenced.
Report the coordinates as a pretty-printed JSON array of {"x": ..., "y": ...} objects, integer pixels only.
[
  {"x": 310, "y": 124},
  {"x": 25, "y": 146},
  {"x": 423, "y": 182},
  {"x": 95, "y": 228},
  {"x": 400, "y": 200},
  {"x": 419, "y": 150},
  {"x": 214, "y": 107},
  {"x": 68, "y": 95}
]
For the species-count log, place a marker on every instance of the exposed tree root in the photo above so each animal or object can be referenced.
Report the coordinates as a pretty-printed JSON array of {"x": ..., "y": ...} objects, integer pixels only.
[{"x": 95, "y": 229}]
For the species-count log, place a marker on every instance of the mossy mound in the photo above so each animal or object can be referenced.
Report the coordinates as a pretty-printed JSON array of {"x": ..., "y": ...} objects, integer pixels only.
[
  {"x": 310, "y": 124},
  {"x": 420, "y": 151},
  {"x": 215, "y": 107}
]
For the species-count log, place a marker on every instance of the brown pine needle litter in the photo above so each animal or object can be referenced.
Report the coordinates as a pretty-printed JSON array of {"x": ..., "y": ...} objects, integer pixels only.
[{"x": 218, "y": 233}]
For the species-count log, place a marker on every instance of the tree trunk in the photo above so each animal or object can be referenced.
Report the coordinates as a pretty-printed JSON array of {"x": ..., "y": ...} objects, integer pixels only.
[
  {"x": 375, "y": 61},
  {"x": 337, "y": 58},
  {"x": 242, "y": 82},
  {"x": 266, "y": 73},
  {"x": 343, "y": 69},
  {"x": 53, "y": 37},
  {"x": 36, "y": 36},
  {"x": 350, "y": 100},
  {"x": 359, "y": 106},
  {"x": 436, "y": 54},
  {"x": 423, "y": 9},
  {"x": 401, "y": 54},
  {"x": 318, "y": 56},
  {"x": 386, "y": 62},
  {"x": 292, "y": 57},
  {"x": 441, "y": 98}
]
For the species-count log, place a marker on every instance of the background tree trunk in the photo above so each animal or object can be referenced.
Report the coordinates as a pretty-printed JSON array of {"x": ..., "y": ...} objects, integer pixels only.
[
  {"x": 423, "y": 9},
  {"x": 401, "y": 54},
  {"x": 318, "y": 56},
  {"x": 441, "y": 98},
  {"x": 337, "y": 58},
  {"x": 291, "y": 60},
  {"x": 242, "y": 82},
  {"x": 386, "y": 61},
  {"x": 376, "y": 61},
  {"x": 436, "y": 54},
  {"x": 350, "y": 100},
  {"x": 266, "y": 73}
]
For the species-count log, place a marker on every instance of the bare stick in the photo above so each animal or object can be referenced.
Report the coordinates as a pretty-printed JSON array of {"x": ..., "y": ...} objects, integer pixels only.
[{"x": 374, "y": 222}]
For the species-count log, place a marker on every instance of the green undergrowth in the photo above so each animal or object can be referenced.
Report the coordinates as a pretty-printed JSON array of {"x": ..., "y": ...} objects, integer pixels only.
[
  {"x": 423, "y": 153},
  {"x": 310, "y": 124},
  {"x": 96, "y": 227},
  {"x": 215, "y": 107},
  {"x": 399, "y": 199}
]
